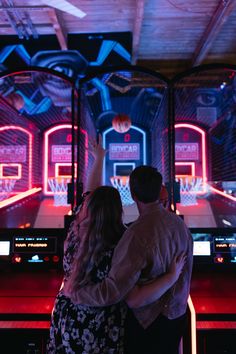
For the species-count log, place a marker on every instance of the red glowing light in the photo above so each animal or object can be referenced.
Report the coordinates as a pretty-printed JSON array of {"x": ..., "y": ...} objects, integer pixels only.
[
  {"x": 185, "y": 137},
  {"x": 127, "y": 138},
  {"x": 69, "y": 138},
  {"x": 203, "y": 141},
  {"x": 223, "y": 194},
  {"x": 55, "y": 259},
  {"x": 191, "y": 164},
  {"x": 16, "y": 259}
]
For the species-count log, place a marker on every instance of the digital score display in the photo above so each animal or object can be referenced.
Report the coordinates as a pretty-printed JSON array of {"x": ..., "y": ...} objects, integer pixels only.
[
  {"x": 34, "y": 245},
  {"x": 225, "y": 244},
  {"x": 210, "y": 248},
  {"x": 27, "y": 248}
]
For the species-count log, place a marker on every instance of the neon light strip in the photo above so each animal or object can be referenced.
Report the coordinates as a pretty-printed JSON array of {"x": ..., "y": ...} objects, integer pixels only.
[
  {"x": 122, "y": 164},
  {"x": 57, "y": 166},
  {"x": 104, "y": 146},
  {"x": 193, "y": 326},
  {"x": 203, "y": 134},
  {"x": 192, "y": 164},
  {"x": 18, "y": 197},
  {"x": 223, "y": 194},
  {"x": 19, "y": 170},
  {"x": 8, "y": 127}
]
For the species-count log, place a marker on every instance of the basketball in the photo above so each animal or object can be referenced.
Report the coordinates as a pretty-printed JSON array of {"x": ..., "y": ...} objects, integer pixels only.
[
  {"x": 15, "y": 100},
  {"x": 121, "y": 123}
]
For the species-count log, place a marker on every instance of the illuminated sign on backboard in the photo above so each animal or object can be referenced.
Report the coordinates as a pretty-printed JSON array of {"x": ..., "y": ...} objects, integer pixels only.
[
  {"x": 12, "y": 153},
  {"x": 62, "y": 153},
  {"x": 124, "y": 151},
  {"x": 186, "y": 151}
]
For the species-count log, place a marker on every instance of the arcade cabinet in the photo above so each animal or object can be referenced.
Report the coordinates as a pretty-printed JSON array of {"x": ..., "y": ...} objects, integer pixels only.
[
  {"x": 205, "y": 165},
  {"x": 36, "y": 155},
  {"x": 31, "y": 276}
]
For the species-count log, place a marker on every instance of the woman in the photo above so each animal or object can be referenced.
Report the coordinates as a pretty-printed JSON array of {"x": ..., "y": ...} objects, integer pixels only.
[{"x": 87, "y": 258}]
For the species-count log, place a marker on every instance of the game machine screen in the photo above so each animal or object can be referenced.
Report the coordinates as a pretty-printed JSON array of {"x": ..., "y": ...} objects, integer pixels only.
[
  {"x": 205, "y": 165},
  {"x": 129, "y": 109},
  {"x": 214, "y": 246}
]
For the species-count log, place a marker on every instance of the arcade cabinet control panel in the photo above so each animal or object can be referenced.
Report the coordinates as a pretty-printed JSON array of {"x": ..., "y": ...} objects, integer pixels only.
[
  {"x": 31, "y": 275},
  {"x": 213, "y": 290},
  {"x": 32, "y": 248}
]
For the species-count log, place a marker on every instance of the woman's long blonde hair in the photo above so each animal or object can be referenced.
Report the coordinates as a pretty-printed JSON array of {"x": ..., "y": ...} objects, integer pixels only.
[{"x": 105, "y": 229}]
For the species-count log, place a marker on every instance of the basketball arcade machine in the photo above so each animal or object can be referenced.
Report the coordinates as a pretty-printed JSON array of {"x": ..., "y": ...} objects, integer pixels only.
[
  {"x": 46, "y": 122},
  {"x": 181, "y": 127},
  {"x": 37, "y": 151},
  {"x": 137, "y": 97},
  {"x": 205, "y": 165}
]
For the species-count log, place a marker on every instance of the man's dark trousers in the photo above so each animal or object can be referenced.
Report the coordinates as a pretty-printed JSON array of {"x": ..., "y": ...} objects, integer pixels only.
[{"x": 163, "y": 336}]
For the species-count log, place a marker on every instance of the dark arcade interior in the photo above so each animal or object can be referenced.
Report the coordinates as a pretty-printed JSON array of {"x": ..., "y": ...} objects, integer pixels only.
[{"x": 185, "y": 127}]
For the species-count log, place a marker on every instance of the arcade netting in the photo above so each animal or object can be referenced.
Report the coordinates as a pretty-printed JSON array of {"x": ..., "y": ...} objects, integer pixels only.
[{"x": 184, "y": 127}]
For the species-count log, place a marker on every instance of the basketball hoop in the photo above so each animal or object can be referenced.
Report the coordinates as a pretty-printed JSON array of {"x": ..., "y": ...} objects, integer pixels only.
[
  {"x": 189, "y": 187},
  {"x": 59, "y": 187},
  {"x": 121, "y": 183},
  {"x": 6, "y": 187}
]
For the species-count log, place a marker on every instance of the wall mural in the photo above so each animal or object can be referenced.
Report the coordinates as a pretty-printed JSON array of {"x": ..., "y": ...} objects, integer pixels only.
[{"x": 85, "y": 52}]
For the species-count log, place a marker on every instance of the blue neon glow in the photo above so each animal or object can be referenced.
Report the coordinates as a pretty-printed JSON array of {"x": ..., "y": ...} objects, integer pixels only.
[
  {"x": 35, "y": 259},
  {"x": 106, "y": 47},
  {"x": 31, "y": 108},
  {"x": 119, "y": 49},
  {"x": 19, "y": 48},
  {"x": 144, "y": 146},
  {"x": 122, "y": 164},
  {"x": 104, "y": 92}
]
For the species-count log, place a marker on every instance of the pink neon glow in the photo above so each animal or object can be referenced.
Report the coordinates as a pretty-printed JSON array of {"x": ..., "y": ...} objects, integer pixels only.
[
  {"x": 193, "y": 326},
  {"x": 14, "y": 127},
  {"x": 19, "y": 170},
  {"x": 192, "y": 164},
  {"x": 59, "y": 164},
  {"x": 203, "y": 135},
  {"x": 18, "y": 197},
  {"x": 46, "y": 138},
  {"x": 223, "y": 194}
]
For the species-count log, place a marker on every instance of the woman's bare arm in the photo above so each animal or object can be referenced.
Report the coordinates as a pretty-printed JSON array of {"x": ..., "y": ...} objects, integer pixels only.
[
  {"x": 142, "y": 295},
  {"x": 95, "y": 177}
]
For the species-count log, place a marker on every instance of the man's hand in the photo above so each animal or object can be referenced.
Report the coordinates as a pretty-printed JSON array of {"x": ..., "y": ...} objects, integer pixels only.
[{"x": 177, "y": 265}]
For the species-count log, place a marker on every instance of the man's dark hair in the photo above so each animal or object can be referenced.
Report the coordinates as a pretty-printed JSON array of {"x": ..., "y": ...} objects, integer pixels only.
[{"x": 145, "y": 184}]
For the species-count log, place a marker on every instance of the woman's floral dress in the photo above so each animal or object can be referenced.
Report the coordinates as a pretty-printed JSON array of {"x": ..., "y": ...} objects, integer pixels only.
[{"x": 81, "y": 329}]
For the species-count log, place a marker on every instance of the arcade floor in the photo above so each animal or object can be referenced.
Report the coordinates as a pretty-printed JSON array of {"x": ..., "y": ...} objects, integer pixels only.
[{"x": 34, "y": 212}]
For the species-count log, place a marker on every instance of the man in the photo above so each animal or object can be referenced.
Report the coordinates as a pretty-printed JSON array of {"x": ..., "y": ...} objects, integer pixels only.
[{"x": 144, "y": 253}]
